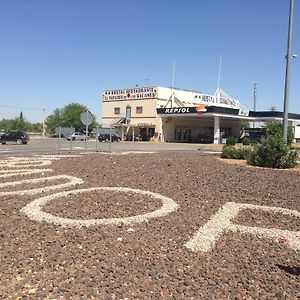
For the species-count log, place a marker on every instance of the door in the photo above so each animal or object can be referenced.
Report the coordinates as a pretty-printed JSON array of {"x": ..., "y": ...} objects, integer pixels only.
[{"x": 183, "y": 134}]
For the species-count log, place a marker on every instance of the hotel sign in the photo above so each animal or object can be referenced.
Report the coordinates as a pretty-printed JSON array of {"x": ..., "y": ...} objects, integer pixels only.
[{"x": 130, "y": 94}]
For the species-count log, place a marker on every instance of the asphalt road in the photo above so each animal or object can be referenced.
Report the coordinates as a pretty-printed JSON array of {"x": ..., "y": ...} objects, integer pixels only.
[{"x": 42, "y": 145}]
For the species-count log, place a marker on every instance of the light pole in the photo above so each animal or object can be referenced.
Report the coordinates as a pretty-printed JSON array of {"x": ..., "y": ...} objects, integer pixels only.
[
  {"x": 254, "y": 99},
  {"x": 287, "y": 73},
  {"x": 44, "y": 123}
]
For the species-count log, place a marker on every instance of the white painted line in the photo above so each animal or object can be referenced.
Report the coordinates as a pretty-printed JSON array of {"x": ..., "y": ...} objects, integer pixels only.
[
  {"x": 34, "y": 212},
  {"x": 72, "y": 181},
  {"x": 55, "y": 156},
  {"x": 206, "y": 237},
  {"x": 128, "y": 152}
]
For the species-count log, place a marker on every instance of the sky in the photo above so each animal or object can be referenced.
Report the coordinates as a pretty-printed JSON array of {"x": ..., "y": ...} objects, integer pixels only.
[{"x": 57, "y": 52}]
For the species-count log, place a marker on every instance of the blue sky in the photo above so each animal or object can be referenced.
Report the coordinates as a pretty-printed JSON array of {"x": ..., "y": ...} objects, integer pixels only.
[{"x": 56, "y": 52}]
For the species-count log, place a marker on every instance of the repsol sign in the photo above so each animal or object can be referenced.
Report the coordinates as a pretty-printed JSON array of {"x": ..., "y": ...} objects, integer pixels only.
[{"x": 176, "y": 110}]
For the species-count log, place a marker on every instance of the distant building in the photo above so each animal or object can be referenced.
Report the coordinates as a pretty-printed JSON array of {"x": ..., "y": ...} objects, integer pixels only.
[{"x": 177, "y": 115}]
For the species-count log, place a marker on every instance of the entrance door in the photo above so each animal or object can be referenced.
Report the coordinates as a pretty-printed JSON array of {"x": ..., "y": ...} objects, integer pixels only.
[{"x": 183, "y": 134}]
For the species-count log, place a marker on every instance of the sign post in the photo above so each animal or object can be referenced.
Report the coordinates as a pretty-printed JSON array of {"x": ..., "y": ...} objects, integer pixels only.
[{"x": 86, "y": 119}]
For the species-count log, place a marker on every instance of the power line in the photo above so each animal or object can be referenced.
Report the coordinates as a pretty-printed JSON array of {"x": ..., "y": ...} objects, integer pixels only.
[{"x": 24, "y": 108}]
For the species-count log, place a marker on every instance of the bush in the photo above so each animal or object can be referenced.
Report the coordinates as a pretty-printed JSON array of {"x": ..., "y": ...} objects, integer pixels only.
[
  {"x": 246, "y": 141},
  {"x": 276, "y": 129},
  {"x": 230, "y": 141},
  {"x": 273, "y": 152},
  {"x": 235, "y": 153}
]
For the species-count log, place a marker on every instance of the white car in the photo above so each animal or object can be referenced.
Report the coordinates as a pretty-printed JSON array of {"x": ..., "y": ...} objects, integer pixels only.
[{"x": 77, "y": 136}]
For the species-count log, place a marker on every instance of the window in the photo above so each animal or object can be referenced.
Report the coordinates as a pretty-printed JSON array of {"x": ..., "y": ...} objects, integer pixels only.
[
  {"x": 139, "y": 109},
  {"x": 117, "y": 110}
]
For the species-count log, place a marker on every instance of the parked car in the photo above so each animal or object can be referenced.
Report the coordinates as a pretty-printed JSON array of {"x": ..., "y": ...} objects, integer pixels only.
[
  {"x": 20, "y": 137},
  {"x": 76, "y": 136},
  {"x": 106, "y": 138},
  {"x": 205, "y": 139}
]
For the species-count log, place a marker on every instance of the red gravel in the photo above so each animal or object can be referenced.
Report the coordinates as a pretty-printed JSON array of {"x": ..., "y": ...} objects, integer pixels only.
[
  {"x": 102, "y": 204},
  {"x": 46, "y": 261}
]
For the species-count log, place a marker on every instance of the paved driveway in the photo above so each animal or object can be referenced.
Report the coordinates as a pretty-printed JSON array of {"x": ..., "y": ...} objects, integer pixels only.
[{"x": 39, "y": 145}]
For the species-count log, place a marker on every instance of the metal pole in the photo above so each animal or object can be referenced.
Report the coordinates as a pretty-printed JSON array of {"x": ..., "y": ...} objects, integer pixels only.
[
  {"x": 86, "y": 130},
  {"x": 219, "y": 79},
  {"x": 97, "y": 129},
  {"x": 59, "y": 134},
  {"x": 110, "y": 133},
  {"x": 287, "y": 73},
  {"x": 71, "y": 139},
  {"x": 254, "y": 100},
  {"x": 173, "y": 78},
  {"x": 44, "y": 123}
]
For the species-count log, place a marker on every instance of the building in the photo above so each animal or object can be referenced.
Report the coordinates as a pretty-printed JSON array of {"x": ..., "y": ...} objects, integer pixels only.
[{"x": 177, "y": 115}]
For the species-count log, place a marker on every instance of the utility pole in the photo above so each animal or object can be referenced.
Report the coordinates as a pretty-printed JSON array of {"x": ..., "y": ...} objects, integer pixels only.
[
  {"x": 254, "y": 99},
  {"x": 219, "y": 79},
  {"x": 287, "y": 73},
  {"x": 173, "y": 78},
  {"x": 44, "y": 123}
]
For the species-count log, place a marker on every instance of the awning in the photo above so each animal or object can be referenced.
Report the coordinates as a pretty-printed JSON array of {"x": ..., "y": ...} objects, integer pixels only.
[{"x": 118, "y": 121}]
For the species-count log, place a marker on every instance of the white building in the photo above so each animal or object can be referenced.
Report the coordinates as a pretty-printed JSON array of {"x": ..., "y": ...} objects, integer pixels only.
[{"x": 171, "y": 114}]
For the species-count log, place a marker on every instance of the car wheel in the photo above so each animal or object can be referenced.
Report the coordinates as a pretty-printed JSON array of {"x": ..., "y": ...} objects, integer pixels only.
[{"x": 19, "y": 142}]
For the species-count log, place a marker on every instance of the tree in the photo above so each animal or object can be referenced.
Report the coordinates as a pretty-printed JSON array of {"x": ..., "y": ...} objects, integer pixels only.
[
  {"x": 21, "y": 123},
  {"x": 274, "y": 151},
  {"x": 68, "y": 116},
  {"x": 245, "y": 124},
  {"x": 54, "y": 120}
]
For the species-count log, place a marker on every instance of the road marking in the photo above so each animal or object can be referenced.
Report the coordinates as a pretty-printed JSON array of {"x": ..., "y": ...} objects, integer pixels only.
[
  {"x": 206, "y": 237},
  {"x": 34, "y": 209},
  {"x": 128, "y": 152}
]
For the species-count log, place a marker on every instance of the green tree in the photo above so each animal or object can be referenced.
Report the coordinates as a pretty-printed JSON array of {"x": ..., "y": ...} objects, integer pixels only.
[
  {"x": 54, "y": 120},
  {"x": 276, "y": 129},
  {"x": 6, "y": 125},
  {"x": 21, "y": 124},
  {"x": 274, "y": 152},
  {"x": 245, "y": 124},
  {"x": 68, "y": 116}
]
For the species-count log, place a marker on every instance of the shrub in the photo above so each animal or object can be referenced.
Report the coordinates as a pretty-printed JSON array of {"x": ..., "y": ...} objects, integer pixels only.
[
  {"x": 254, "y": 142},
  {"x": 246, "y": 141},
  {"x": 276, "y": 129},
  {"x": 235, "y": 153},
  {"x": 273, "y": 152},
  {"x": 230, "y": 141}
]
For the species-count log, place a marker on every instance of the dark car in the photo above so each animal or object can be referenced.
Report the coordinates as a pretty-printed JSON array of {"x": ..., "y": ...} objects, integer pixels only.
[
  {"x": 106, "y": 138},
  {"x": 20, "y": 137},
  {"x": 205, "y": 139},
  {"x": 253, "y": 134}
]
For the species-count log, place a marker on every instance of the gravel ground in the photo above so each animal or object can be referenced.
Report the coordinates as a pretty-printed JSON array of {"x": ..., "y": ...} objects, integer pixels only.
[{"x": 149, "y": 260}]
